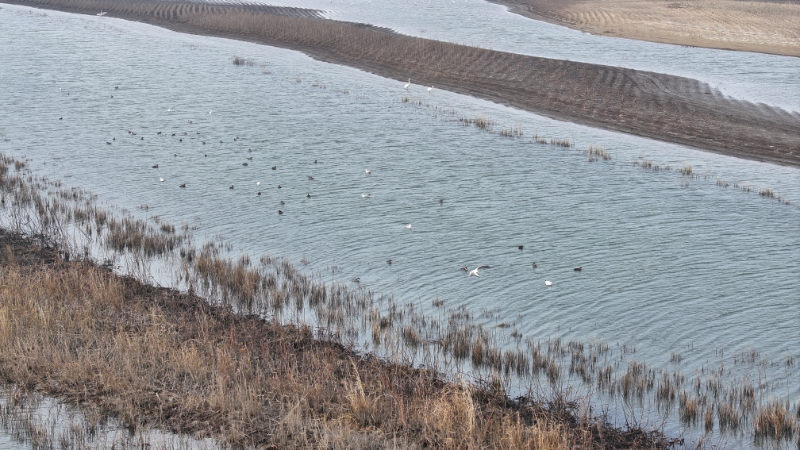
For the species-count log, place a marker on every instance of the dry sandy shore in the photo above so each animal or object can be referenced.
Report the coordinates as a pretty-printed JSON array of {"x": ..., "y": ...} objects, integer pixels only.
[
  {"x": 757, "y": 26},
  {"x": 663, "y": 107}
]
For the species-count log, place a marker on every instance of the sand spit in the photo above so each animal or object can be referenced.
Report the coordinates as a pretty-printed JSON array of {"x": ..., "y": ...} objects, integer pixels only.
[
  {"x": 755, "y": 26},
  {"x": 663, "y": 107}
]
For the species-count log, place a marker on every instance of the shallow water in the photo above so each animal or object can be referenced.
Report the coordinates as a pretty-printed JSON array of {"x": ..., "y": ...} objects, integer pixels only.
[
  {"x": 670, "y": 264},
  {"x": 756, "y": 77}
]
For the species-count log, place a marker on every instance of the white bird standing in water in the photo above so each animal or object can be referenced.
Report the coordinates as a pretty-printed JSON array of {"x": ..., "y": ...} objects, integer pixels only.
[
  {"x": 407, "y": 84},
  {"x": 430, "y": 89},
  {"x": 367, "y": 171},
  {"x": 474, "y": 272}
]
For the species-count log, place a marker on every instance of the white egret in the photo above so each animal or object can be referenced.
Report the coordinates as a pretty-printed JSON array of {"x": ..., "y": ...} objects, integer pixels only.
[
  {"x": 430, "y": 89},
  {"x": 407, "y": 84}
]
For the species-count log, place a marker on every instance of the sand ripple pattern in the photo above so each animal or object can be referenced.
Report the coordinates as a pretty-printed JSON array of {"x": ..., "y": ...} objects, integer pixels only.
[{"x": 664, "y": 107}]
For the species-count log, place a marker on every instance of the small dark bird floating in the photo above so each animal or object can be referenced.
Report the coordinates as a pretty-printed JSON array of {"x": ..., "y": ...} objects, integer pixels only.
[
  {"x": 158, "y": 132},
  {"x": 310, "y": 178},
  {"x": 109, "y": 143},
  {"x": 244, "y": 164},
  {"x": 521, "y": 247},
  {"x": 280, "y": 212},
  {"x": 249, "y": 150},
  {"x": 113, "y": 139},
  {"x": 282, "y": 203},
  {"x": 231, "y": 187},
  {"x": 173, "y": 134},
  {"x": 534, "y": 265},
  {"x": 60, "y": 118},
  {"x": 274, "y": 167},
  {"x": 578, "y": 269},
  {"x": 183, "y": 185},
  {"x": 250, "y": 158},
  {"x": 356, "y": 280},
  {"x": 112, "y": 96},
  {"x": 315, "y": 161},
  {"x": 116, "y": 87},
  {"x": 259, "y": 193},
  {"x": 308, "y": 195},
  {"x": 204, "y": 142},
  {"x": 279, "y": 186},
  {"x": 181, "y": 140},
  {"x": 389, "y": 261},
  {"x": 155, "y": 167},
  {"x": 441, "y": 201},
  {"x": 205, "y": 155},
  {"x": 142, "y": 137},
  {"x": 464, "y": 269}
]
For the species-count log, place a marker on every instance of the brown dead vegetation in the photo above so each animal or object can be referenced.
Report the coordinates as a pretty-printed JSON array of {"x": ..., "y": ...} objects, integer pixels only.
[
  {"x": 658, "y": 106},
  {"x": 155, "y": 357}
]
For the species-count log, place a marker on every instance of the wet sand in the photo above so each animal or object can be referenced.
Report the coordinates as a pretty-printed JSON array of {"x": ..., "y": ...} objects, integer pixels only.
[
  {"x": 663, "y": 107},
  {"x": 762, "y": 26}
]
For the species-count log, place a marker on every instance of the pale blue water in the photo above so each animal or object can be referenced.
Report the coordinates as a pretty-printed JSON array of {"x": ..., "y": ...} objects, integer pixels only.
[
  {"x": 756, "y": 77},
  {"x": 691, "y": 269}
]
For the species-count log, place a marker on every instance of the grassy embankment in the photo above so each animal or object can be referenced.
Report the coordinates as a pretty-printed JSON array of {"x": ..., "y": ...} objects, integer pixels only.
[{"x": 155, "y": 357}]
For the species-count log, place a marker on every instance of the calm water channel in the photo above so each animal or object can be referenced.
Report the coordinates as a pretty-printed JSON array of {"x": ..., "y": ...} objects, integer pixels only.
[{"x": 670, "y": 264}]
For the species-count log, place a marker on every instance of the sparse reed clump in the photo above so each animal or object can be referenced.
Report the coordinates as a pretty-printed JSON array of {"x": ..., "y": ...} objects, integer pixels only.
[
  {"x": 775, "y": 422},
  {"x": 596, "y": 152},
  {"x": 155, "y": 357}
]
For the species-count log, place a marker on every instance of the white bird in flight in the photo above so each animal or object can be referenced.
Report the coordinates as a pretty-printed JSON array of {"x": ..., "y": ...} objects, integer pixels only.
[
  {"x": 161, "y": 179},
  {"x": 365, "y": 195},
  {"x": 548, "y": 283},
  {"x": 101, "y": 13},
  {"x": 367, "y": 171},
  {"x": 474, "y": 272},
  {"x": 407, "y": 84}
]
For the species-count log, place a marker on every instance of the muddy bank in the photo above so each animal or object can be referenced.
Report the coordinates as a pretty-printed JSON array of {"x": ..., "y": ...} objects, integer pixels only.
[{"x": 663, "y": 107}]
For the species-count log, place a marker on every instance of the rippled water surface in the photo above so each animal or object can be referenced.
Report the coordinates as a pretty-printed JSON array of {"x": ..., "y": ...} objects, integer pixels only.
[
  {"x": 756, "y": 77},
  {"x": 670, "y": 264}
]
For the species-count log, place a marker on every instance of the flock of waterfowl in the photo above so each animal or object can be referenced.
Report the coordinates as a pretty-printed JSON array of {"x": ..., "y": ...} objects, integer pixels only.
[{"x": 471, "y": 273}]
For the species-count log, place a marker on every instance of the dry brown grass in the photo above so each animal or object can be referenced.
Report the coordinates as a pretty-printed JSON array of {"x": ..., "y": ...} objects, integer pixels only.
[
  {"x": 658, "y": 106},
  {"x": 156, "y": 357}
]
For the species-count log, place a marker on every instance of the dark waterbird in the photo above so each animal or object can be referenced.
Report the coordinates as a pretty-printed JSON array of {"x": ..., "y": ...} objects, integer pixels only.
[
  {"x": 534, "y": 265},
  {"x": 578, "y": 269},
  {"x": 389, "y": 261},
  {"x": 183, "y": 185},
  {"x": 231, "y": 187},
  {"x": 521, "y": 247},
  {"x": 356, "y": 280},
  {"x": 274, "y": 167},
  {"x": 155, "y": 167},
  {"x": 308, "y": 195},
  {"x": 280, "y": 212}
]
